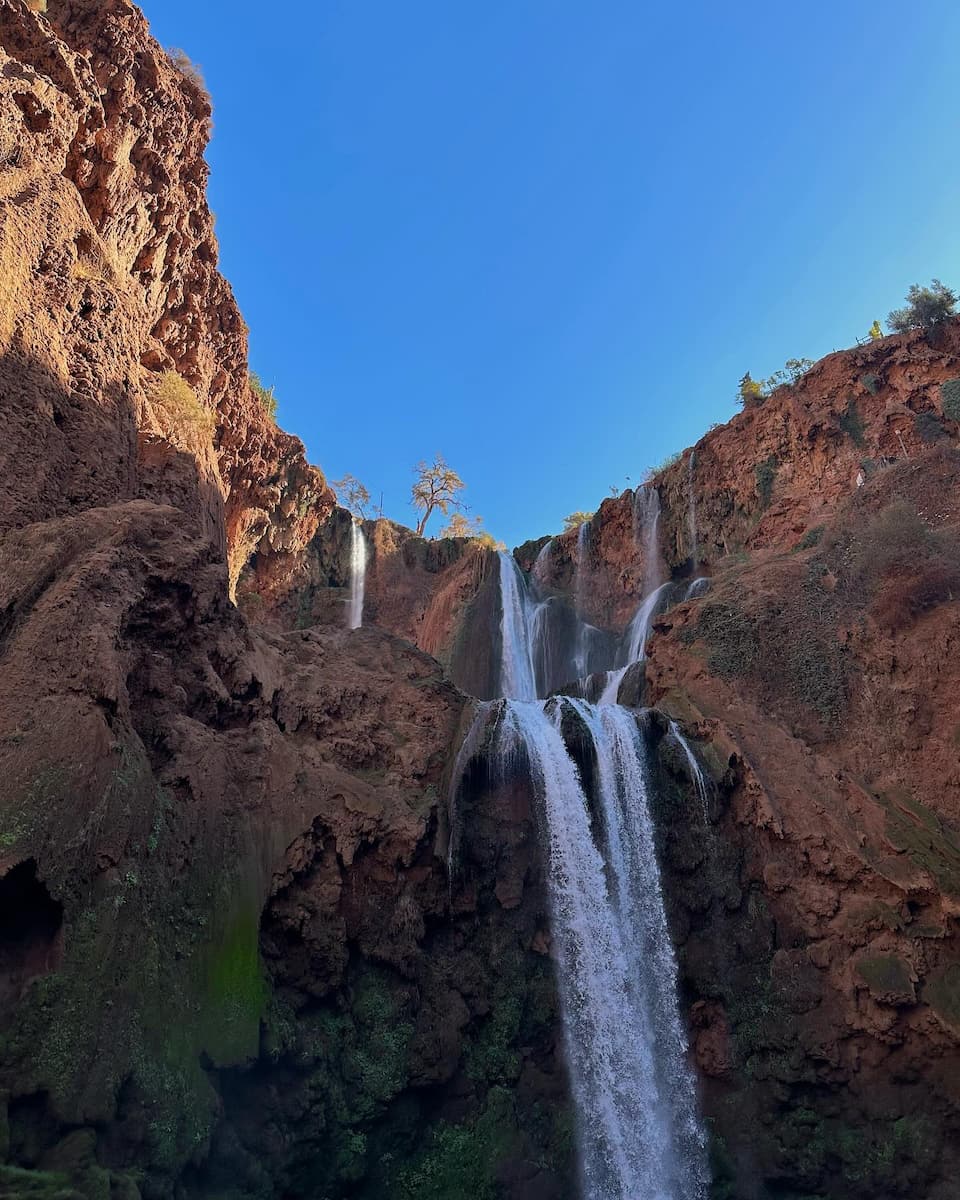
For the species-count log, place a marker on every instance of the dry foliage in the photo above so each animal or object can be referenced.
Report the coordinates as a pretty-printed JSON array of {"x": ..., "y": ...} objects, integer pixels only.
[
  {"x": 898, "y": 565},
  {"x": 182, "y": 411},
  {"x": 187, "y": 67},
  {"x": 37, "y": 6}
]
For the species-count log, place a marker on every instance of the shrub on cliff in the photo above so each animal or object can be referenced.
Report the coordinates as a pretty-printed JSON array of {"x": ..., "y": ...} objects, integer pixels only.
[
  {"x": 925, "y": 308},
  {"x": 950, "y": 395},
  {"x": 265, "y": 395},
  {"x": 37, "y": 6},
  {"x": 182, "y": 62},
  {"x": 902, "y": 567},
  {"x": 181, "y": 410},
  {"x": 752, "y": 391},
  {"x": 575, "y": 519}
]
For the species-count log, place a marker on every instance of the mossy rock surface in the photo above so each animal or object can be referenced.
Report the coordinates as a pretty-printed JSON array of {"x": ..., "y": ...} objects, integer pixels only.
[
  {"x": 942, "y": 993},
  {"x": 888, "y": 977}
]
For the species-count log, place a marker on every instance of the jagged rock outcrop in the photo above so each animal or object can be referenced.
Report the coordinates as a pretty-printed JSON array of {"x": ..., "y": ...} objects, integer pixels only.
[{"x": 222, "y": 869}]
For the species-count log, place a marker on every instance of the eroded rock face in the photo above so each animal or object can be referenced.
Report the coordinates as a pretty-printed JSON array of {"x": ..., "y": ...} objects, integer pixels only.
[
  {"x": 200, "y": 826},
  {"x": 441, "y": 595}
]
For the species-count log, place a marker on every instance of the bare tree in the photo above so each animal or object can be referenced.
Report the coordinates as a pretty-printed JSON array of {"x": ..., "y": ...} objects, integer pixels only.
[
  {"x": 352, "y": 495},
  {"x": 437, "y": 488}
]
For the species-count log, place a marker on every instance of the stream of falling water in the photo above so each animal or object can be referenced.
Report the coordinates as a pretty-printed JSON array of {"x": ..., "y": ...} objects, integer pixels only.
[
  {"x": 358, "y": 575},
  {"x": 638, "y": 1133}
]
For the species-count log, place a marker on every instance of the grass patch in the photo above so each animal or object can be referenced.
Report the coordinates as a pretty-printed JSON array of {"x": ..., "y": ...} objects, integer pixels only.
[
  {"x": 852, "y": 423},
  {"x": 184, "y": 417},
  {"x": 950, "y": 399},
  {"x": 266, "y": 395},
  {"x": 929, "y": 427},
  {"x": 871, "y": 382},
  {"x": 766, "y": 474}
]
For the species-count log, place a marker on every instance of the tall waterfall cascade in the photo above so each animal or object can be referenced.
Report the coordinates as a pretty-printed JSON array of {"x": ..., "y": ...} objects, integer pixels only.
[
  {"x": 638, "y": 1133},
  {"x": 358, "y": 575}
]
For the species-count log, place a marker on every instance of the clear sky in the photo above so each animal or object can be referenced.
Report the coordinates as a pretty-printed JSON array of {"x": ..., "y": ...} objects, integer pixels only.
[{"x": 546, "y": 238}]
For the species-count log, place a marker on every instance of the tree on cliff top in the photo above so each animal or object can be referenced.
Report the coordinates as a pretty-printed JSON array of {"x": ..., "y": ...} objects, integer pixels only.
[
  {"x": 351, "y": 493},
  {"x": 462, "y": 526},
  {"x": 436, "y": 488},
  {"x": 925, "y": 307},
  {"x": 575, "y": 519}
]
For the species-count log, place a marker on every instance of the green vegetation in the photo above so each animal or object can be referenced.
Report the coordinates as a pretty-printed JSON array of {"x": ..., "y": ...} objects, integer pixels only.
[
  {"x": 942, "y": 993},
  {"x": 575, "y": 519},
  {"x": 461, "y": 1160},
  {"x": 236, "y": 992},
  {"x": 752, "y": 391},
  {"x": 461, "y": 526},
  {"x": 886, "y": 975},
  {"x": 852, "y": 423},
  {"x": 17, "y": 1184},
  {"x": 871, "y": 382},
  {"x": 493, "y": 1057},
  {"x": 670, "y": 461},
  {"x": 929, "y": 427},
  {"x": 811, "y": 538},
  {"x": 266, "y": 395},
  {"x": 766, "y": 474},
  {"x": 950, "y": 398},
  {"x": 898, "y": 564},
  {"x": 786, "y": 650},
  {"x": 926, "y": 308}
]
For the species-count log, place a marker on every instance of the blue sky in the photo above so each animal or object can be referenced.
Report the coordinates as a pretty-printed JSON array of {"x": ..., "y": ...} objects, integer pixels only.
[{"x": 546, "y": 238}]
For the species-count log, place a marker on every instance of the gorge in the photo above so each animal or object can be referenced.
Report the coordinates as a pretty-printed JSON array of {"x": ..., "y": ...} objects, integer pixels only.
[{"x": 341, "y": 862}]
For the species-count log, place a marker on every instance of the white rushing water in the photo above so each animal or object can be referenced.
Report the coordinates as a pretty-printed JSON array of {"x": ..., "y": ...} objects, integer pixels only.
[
  {"x": 646, "y": 524},
  {"x": 358, "y": 575},
  {"x": 517, "y": 678},
  {"x": 638, "y": 1133},
  {"x": 697, "y": 587},
  {"x": 696, "y": 772}
]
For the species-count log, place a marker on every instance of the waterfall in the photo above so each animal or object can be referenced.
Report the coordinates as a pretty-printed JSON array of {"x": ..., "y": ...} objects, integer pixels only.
[
  {"x": 581, "y": 649},
  {"x": 517, "y": 678},
  {"x": 696, "y": 772},
  {"x": 358, "y": 575},
  {"x": 542, "y": 561},
  {"x": 635, "y": 639},
  {"x": 646, "y": 524},
  {"x": 646, "y": 531},
  {"x": 638, "y": 1133},
  {"x": 698, "y": 587}
]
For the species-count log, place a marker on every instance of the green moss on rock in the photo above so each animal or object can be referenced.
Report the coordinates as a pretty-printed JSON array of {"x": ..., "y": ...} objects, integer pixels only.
[
  {"x": 461, "y": 1160},
  {"x": 888, "y": 977},
  {"x": 942, "y": 993}
]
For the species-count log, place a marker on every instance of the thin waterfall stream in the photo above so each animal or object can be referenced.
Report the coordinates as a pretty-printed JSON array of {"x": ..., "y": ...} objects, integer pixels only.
[
  {"x": 638, "y": 1133},
  {"x": 358, "y": 575}
]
